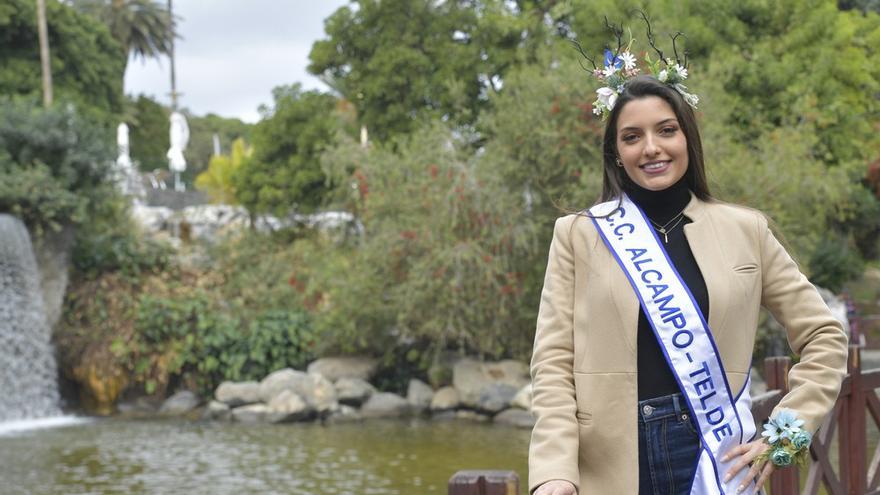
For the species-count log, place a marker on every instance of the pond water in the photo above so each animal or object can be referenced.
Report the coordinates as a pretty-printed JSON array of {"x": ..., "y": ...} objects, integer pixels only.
[{"x": 167, "y": 457}]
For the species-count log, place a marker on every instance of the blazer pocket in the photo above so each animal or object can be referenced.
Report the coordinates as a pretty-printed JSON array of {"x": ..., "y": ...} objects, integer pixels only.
[
  {"x": 746, "y": 268},
  {"x": 584, "y": 418}
]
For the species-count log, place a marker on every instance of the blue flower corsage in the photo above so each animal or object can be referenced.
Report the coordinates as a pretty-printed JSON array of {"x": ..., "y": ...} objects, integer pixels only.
[{"x": 789, "y": 444}]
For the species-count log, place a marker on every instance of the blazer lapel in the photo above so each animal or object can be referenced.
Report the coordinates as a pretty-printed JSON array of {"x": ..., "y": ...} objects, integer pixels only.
[{"x": 709, "y": 253}]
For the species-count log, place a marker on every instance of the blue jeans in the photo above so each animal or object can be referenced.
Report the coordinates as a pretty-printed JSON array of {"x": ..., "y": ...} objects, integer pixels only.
[{"x": 669, "y": 446}]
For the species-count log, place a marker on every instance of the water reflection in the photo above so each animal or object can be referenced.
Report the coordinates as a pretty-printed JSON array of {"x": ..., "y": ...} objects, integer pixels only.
[{"x": 374, "y": 457}]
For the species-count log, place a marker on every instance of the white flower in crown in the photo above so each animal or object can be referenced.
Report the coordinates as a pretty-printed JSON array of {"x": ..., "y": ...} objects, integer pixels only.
[
  {"x": 663, "y": 75},
  {"x": 629, "y": 61},
  {"x": 609, "y": 70},
  {"x": 607, "y": 97},
  {"x": 682, "y": 72}
]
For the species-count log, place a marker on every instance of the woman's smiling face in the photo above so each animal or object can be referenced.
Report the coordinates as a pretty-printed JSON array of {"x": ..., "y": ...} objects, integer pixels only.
[{"x": 651, "y": 144}]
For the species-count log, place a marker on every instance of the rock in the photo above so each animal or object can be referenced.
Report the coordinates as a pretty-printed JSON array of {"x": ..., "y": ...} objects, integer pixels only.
[
  {"x": 141, "y": 406},
  {"x": 472, "y": 416},
  {"x": 515, "y": 417},
  {"x": 322, "y": 395},
  {"x": 334, "y": 368},
  {"x": 287, "y": 406},
  {"x": 440, "y": 371},
  {"x": 353, "y": 391},
  {"x": 523, "y": 398},
  {"x": 385, "y": 405},
  {"x": 284, "y": 379},
  {"x": 444, "y": 416},
  {"x": 217, "y": 411},
  {"x": 496, "y": 397},
  {"x": 180, "y": 403},
  {"x": 344, "y": 414},
  {"x": 471, "y": 376},
  {"x": 445, "y": 399},
  {"x": 254, "y": 413},
  {"x": 316, "y": 390},
  {"x": 236, "y": 394},
  {"x": 419, "y": 395}
]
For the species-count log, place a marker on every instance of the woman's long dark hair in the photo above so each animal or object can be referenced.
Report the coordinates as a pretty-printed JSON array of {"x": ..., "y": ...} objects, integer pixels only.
[{"x": 614, "y": 176}]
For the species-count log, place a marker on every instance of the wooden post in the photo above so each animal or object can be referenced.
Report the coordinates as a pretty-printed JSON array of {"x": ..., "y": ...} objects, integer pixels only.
[
  {"x": 484, "y": 483},
  {"x": 857, "y": 478},
  {"x": 783, "y": 481}
]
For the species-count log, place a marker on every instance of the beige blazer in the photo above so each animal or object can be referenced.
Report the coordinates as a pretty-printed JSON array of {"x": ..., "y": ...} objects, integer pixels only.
[{"x": 584, "y": 361}]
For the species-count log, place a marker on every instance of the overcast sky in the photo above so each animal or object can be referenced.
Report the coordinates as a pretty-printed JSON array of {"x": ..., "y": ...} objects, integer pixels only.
[{"x": 233, "y": 53}]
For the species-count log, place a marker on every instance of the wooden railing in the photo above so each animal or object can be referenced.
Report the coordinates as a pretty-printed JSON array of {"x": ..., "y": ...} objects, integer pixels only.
[{"x": 851, "y": 474}]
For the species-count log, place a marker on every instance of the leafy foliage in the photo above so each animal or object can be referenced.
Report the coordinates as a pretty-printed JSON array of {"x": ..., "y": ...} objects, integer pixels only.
[
  {"x": 401, "y": 61},
  {"x": 148, "y": 133},
  {"x": 143, "y": 28},
  {"x": 54, "y": 165},
  {"x": 285, "y": 172},
  {"x": 87, "y": 66},
  {"x": 438, "y": 255},
  {"x": 217, "y": 180}
]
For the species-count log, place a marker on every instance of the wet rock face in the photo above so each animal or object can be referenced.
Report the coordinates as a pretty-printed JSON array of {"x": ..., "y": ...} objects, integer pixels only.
[{"x": 28, "y": 376}]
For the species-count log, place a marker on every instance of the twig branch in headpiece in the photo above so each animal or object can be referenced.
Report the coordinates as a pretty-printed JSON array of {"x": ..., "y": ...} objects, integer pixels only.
[
  {"x": 675, "y": 49},
  {"x": 618, "y": 33},
  {"x": 584, "y": 54},
  {"x": 650, "y": 36}
]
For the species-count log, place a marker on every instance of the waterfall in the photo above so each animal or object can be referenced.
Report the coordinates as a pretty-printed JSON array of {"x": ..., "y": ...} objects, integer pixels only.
[{"x": 28, "y": 373}]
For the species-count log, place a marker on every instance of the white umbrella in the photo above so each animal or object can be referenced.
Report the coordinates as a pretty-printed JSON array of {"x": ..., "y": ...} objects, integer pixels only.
[{"x": 179, "y": 134}]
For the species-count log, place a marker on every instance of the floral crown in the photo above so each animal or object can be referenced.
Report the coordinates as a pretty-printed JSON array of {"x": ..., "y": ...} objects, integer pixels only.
[{"x": 620, "y": 66}]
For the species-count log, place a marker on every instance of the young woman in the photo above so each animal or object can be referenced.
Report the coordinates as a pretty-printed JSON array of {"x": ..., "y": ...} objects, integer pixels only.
[{"x": 648, "y": 315}]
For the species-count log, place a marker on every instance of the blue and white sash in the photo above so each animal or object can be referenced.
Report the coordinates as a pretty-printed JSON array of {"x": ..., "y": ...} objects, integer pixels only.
[{"x": 724, "y": 420}]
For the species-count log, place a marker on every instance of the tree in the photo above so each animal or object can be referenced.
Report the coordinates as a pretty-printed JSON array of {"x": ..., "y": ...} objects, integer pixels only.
[
  {"x": 401, "y": 61},
  {"x": 437, "y": 261},
  {"x": 285, "y": 172},
  {"x": 87, "y": 67},
  {"x": 217, "y": 181},
  {"x": 143, "y": 28}
]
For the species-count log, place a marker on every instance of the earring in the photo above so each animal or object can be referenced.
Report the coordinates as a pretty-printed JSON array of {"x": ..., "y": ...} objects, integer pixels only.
[{"x": 619, "y": 163}]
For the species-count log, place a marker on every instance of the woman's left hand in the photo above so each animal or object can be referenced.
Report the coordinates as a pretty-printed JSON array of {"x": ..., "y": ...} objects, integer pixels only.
[{"x": 747, "y": 452}]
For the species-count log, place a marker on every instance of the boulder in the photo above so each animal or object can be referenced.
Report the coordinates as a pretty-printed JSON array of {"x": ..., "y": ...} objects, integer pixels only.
[
  {"x": 353, "y": 391},
  {"x": 321, "y": 394},
  {"x": 254, "y": 413},
  {"x": 284, "y": 379},
  {"x": 445, "y": 399},
  {"x": 470, "y": 377},
  {"x": 523, "y": 398},
  {"x": 286, "y": 407},
  {"x": 496, "y": 397},
  {"x": 515, "y": 417},
  {"x": 236, "y": 394},
  {"x": 472, "y": 416},
  {"x": 419, "y": 395},
  {"x": 443, "y": 416},
  {"x": 217, "y": 411},
  {"x": 334, "y": 368},
  {"x": 385, "y": 405},
  {"x": 180, "y": 403},
  {"x": 343, "y": 414},
  {"x": 314, "y": 388}
]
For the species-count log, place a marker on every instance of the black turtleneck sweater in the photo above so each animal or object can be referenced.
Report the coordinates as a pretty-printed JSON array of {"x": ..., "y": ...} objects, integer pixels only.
[{"x": 655, "y": 376}]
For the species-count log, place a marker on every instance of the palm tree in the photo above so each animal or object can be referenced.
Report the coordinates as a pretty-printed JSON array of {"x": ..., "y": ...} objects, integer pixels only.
[{"x": 144, "y": 28}]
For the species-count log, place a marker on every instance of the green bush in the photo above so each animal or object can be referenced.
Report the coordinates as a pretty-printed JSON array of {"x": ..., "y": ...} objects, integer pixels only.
[
  {"x": 54, "y": 165},
  {"x": 200, "y": 340}
]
